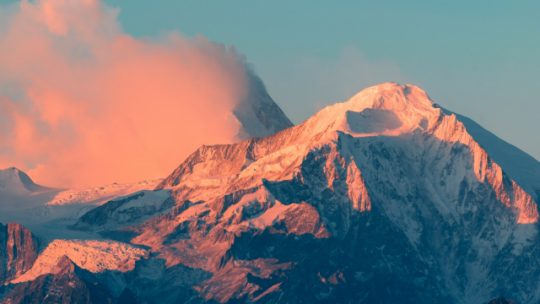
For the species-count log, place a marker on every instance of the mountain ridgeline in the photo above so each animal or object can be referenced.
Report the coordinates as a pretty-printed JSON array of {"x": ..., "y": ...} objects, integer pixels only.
[{"x": 384, "y": 198}]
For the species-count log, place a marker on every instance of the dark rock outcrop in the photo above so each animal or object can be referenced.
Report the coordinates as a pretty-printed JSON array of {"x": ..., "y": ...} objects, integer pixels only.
[
  {"x": 501, "y": 301},
  {"x": 18, "y": 251},
  {"x": 70, "y": 285}
]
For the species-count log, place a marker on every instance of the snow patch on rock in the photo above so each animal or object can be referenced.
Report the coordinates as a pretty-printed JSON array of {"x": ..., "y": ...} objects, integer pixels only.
[
  {"x": 101, "y": 194},
  {"x": 94, "y": 256}
]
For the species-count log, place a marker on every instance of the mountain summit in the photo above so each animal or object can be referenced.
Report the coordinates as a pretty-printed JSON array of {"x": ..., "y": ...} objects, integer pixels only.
[
  {"x": 15, "y": 180},
  {"x": 387, "y": 109}
]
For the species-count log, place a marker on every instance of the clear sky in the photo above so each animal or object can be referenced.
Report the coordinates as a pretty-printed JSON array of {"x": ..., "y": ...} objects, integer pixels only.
[{"x": 479, "y": 58}]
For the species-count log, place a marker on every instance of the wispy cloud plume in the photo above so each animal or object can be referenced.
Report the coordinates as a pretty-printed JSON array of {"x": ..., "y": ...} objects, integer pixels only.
[{"x": 82, "y": 102}]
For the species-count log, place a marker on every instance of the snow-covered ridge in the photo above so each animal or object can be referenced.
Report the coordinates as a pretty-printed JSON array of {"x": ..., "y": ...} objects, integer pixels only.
[
  {"x": 47, "y": 211},
  {"x": 101, "y": 194},
  {"x": 13, "y": 180},
  {"x": 94, "y": 256},
  {"x": 522, "y": 167},
  {"x": 126, "y": 210}
]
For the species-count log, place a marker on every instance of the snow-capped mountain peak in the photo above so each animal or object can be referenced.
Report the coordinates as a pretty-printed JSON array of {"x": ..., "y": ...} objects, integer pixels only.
[
  {"x": 393, "y": 110},
  {"x": 393, "y": 96},
  {"x": 16, "y": 181},
  {"x": 387, "y": 109}
]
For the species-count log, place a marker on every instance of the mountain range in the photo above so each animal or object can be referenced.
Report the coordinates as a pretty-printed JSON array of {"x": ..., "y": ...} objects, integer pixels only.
[{"x": 384, "y": 198}]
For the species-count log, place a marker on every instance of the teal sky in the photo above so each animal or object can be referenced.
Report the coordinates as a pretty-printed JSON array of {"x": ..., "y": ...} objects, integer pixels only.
[{"x": 478, "y": 58}]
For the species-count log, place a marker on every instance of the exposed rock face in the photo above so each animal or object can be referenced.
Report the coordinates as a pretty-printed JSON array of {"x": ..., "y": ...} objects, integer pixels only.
[
  {"x": 69, "y": 284},
  {"x": 18, "y": 251},
  {"x": 125, "y": 211},
  {"x": 522, "y": 167},
  {"x": 258, "y": 114}
]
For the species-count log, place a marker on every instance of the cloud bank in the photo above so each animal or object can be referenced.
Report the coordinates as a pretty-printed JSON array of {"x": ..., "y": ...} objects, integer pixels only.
[{"x": 83, "y": 103}]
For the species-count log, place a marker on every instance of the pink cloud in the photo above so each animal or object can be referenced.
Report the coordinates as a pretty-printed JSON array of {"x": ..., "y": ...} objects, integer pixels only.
[{"x": 83, "y": 103}]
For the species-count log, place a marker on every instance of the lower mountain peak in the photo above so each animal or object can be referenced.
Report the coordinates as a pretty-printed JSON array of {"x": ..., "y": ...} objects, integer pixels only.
[
  {"x": 93, "y": 256},
  {"x": 67, "y": 284},
  {"x": 63, "y": 266},
  {"x": 15, "y": 180}
]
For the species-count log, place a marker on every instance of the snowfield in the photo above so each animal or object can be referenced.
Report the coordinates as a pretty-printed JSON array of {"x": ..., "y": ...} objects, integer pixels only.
[{"x": 94, "y": 256}]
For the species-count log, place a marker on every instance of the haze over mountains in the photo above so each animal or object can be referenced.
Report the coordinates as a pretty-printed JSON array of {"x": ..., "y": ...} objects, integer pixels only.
[{"x": 384, "y": 198}]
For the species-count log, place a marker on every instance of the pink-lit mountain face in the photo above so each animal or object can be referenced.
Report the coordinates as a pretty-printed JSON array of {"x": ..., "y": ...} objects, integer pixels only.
[{"x": 384, "y": 198}]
